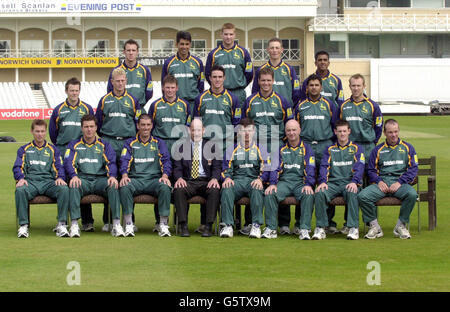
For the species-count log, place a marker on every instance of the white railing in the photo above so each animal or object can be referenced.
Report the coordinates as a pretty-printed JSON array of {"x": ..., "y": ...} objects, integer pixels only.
[
  {"x": 381, "y": 22},
  {"x": 288, "y": 54}
]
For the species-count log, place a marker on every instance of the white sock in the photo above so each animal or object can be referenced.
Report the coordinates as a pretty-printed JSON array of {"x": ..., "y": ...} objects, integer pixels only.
[
  {"x": 399, "y": 223},
  {"x": 374, "y": 223},
  {"x": 74, "y": 222},
  {"x": 116, "y": 221},
  {"x": 163, "y": 220},
  {"x": 128, "y": 219},
  {"x": 61, "y": 223}
]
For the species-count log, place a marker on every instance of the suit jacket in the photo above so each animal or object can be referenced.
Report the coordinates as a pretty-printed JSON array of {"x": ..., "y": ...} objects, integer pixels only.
[{"x": 182, "y": 168}]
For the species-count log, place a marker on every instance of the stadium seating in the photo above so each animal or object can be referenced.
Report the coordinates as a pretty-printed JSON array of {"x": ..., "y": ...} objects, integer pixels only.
[
  {"x": 16, "y": 95},
  {"x": 91, "y": 92}
]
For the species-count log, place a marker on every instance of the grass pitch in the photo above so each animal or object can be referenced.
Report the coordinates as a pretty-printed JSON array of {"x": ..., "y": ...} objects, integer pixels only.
[{"x": 150, "y": 263}]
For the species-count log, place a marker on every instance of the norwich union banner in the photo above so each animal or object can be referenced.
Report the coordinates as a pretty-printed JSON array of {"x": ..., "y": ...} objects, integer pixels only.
[{"x": 58, "y": 62}]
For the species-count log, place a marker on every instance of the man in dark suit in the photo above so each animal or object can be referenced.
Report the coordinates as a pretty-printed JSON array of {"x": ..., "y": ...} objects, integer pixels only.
[{"x": 195, "y": 177}]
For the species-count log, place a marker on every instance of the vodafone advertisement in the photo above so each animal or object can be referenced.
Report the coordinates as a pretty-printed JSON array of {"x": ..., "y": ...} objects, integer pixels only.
[{"x": 25, "y": 113}]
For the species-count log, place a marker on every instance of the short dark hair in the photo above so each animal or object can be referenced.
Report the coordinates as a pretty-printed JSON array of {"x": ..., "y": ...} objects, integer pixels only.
[
  {"x": 389, "y": 122},
  {"x": 131, "y": 41},
  {"x": 246, "y": 121},
  {"x": 72, "y": 81},
  {"x": 313, "y": 77},
  {"x": 88, "y": 118},
  {"x": 169, "y": 79},
  {"x": 266, "y": 71},
  {"x": 321, "y": 53},
  {"x": 184, "y": 35},
  {"x": 341, "y": 123},
  {"x": 217, "y": 67},
  {"x": 275, "y": 39},
  {"x": 144, "y": 116},
  {"x": 38, "y": 122}
]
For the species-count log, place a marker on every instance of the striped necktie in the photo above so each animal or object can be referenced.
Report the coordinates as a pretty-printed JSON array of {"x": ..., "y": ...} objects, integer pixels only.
[{"x": 195, "y": 162}]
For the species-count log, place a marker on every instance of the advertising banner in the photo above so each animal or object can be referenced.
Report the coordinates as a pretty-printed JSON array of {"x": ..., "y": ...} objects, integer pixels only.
[{"x": 58, "y": 62}]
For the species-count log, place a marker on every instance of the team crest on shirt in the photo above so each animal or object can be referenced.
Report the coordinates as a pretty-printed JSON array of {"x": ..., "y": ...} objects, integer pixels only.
[
  {"x": 126, "y": 103},
  {"x": 364, "y": 109},
  {"x": 179, "y": 108},
  {"x": 323, "y": 107},
  {"x": 225, "y": 102},
  {"x": 401, "y": 150},
  {"x": 153, "y": 147},
  {"x": 139, "y": 74},
  {"x": 331, "y": 83},
  {"x": 273, "y": 103},
  {"x": 97, "y": 150},
  {"x": 253, "y": 154},
  {"x": 284, "y": 72},
  {"x": 46, "y": 153},
  {"x": 192, "y": 66},
  {"x": 236, "y": 56},
  {"x": 351, "y": 150}
]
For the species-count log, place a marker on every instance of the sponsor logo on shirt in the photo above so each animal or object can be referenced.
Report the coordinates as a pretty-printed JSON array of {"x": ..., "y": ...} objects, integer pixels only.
[
  {"x": 38, "y": 162},
  {"x": 71, "y": 123},
  {"x": 353, "y": 118},
  {"x": 184, "y": 75},
  {"x": 88, "y": 160},
  {"x": 169, "y": 119},
  {"x": 133, "y": 85},
  {"x": 214, "y": 111},
  {"x": 268, "y": 114},
  {"x": 286, "y": 166},
  {"x": 342, "y": 163},
  {"x": 314, "y": 117},
  {"x": 228, "y": 66},
  {"x": 278, "y": 83},
  {"x": 117, "y": 115},
  {"x": 243, "y": 166},
  {"x": 144, "y": 160},
  {"x": 392, "y": 162}
]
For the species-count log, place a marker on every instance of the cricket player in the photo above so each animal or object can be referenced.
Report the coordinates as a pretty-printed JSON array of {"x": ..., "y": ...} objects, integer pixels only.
[
  {"x": 363, "y": 115},
  {"x": 169, "y": 112},
  {"x": 331, "y": 84},
  {"x": 341, "y": 173},
  {"x": 145, "y": 167},
  {"x": 294, "y": 176},
  {"x": 117, "y": 115},
  {"x": 90, "y": 163},
  {"x": 65, "y": 126},
  {"x": 38, "y": 170},
  {"x": 286, "y": 82},
  {"x": 218, "y": 109},
  {"x": 235, "y": 59},
  {"x": 187, "y": 69},
  {"x": 139, "y": 79},
  {"x": 393, "y": 165}
]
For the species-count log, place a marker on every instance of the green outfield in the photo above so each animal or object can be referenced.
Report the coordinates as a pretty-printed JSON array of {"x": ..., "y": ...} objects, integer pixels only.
[{"x": 150, "y": 263}]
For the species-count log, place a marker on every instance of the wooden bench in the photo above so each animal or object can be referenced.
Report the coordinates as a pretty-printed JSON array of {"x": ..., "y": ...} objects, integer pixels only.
[{"x": 428, "y": 195}]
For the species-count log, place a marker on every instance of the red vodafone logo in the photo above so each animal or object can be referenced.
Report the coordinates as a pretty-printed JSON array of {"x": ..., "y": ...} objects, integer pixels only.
[{"x": 31, "y": 113}]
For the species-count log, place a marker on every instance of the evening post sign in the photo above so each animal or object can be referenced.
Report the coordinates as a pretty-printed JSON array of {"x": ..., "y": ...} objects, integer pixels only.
[{"x": 69, "y": 6}]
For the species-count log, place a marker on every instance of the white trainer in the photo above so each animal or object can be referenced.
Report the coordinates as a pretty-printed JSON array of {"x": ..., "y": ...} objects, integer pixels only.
[
  {"x": 353, "y": 234},
  {"x": 117, "y": 231},
  {"x": 284, "y": 230},
  {"x": 304, "y": 235},
  {"x": 61, "y": 231},
  {"x": 268, "y": 233},
  {"x": 227, "y": 231},
  {"x": 74, "y": 231},
  {"x": 107, "y": 227},
  {"x": 345, "y": 230},
  {"x": 402, "y": 232},
  {"x": 129, "y": 230},
  {"x": 255, "y": 232},
  {"x": 22, "y": 232},
  {"x": 374, "y": 232},
  {"x": 319, "y": 233},
  {"x": 164, "y": 230}
]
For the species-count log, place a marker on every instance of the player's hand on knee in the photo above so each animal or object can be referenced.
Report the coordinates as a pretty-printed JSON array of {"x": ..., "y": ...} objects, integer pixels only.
[
  {"x": 125, "y": 180},
  {"x": 21, "y": 182},
  {"x": 75, "y": 182},
  {"x": 165, "y": 179},
  {"x": 383, "y": 187},
  {"x": 228, "y": 183},
  {"x": 271, "y": 189},
  {"x": 307, "y": 190},
  {"x": 352, "y": 187},
  {"x": 180, "y": 183},
  {"x": 112, "y": 182},
  {"x": 394, "y": 187},
  {"x": 322, "y": 187},
  {"x": 257, "y": 184},
  {"x": 60, "y": 182}
]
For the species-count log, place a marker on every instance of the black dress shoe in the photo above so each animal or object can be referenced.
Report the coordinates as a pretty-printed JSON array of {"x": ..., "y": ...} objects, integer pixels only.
[
  {"x": 207, "y": 231},
  {"x": 184, "y": 232}
]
